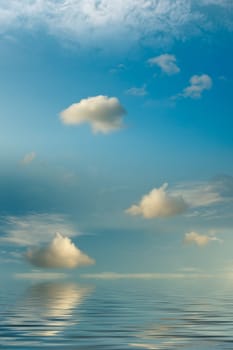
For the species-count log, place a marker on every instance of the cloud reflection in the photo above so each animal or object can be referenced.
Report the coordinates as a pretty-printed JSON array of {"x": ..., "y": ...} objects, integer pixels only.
[{"x": 48, "y": 308}]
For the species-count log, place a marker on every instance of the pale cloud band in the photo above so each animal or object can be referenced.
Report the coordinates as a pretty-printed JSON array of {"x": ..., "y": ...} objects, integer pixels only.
[
  {"x": 144, "y": 276},
  {"x": 35, "y": 228},
  {"x": 36, "y": 275},
  {"x": 96, "y": 21}
]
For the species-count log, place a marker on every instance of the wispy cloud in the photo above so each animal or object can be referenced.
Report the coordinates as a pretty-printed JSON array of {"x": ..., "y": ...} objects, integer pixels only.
[
  {"x": 28, "y": 158},
  {"x": 137, "y": 91},
  {"x": 198, "y": 84},
  {"x": 97, "y": 21},
  {"x": 34, "y": 228},
  {"x": 158, "y": 203},
  {"x": 61, "y": 252},
  {"x": 104, "y": 114},
  {"x": 199, "y": 194},
  {"x": 199, "y": 239},
  {"x": 166, "y": 62}
]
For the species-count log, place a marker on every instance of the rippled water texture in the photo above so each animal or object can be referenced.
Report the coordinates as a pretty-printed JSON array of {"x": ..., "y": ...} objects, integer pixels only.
[{"x": 117, "y": 315}]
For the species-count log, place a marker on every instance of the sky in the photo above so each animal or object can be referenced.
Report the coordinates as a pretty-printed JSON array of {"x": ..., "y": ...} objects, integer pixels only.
[{"x": 116, "y": 143}]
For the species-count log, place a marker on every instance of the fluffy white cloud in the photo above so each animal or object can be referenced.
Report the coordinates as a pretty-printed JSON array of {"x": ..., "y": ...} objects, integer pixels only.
[
  {"x": 202, "y": 198},
  {"x": 166, "y": 62},
  {"x": 198, "y": 239},
  {"x": 34, "y": 228},
  {"x": 104, "y": 114},
  {"x": 95, "y": 21},
  {"x": 59, "y": 253},
  {"x": 28, "y": 158},
  {"x": 198, "y": 84},
  {"x": 159, "y": 203},
  {"x": 137, "y": 91}
]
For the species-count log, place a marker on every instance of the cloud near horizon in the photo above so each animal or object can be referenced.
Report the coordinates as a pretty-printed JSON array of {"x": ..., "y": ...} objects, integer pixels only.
[
  {"x": 61, "y": 252},
  {"x": 166, "y": 62},
  {"x": 158, "y": 203},
  {"x": 104, "y": 114},
  {"x": 198, "y": 239},
  {"x": 144, "y": 276}
]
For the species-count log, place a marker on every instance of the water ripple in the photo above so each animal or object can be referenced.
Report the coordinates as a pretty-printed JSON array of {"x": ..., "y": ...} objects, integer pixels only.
[{"x": 115, "y": 317}]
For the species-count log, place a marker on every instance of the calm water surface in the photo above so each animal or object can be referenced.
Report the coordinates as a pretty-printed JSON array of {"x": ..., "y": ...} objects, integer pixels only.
[{"x": 117, "y": 315}]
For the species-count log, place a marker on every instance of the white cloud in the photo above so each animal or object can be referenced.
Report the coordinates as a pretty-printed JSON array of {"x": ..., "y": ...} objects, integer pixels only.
[
  {"x": 28, "y": 158},
  {"x": 199, "y": 239},
  {"x": 137, "y": 91},
  {"x": 204, "y": 199},
  {"x": 159, "y": 203},
  {"x": 34, "y": 228},
  {"x": 198, "y": 84},
  {"x": 104, "y": 114},
  {"x": 144, "y": 276},
  {"x": 166, "y": 62},
  {"x": 93, "y": 22},
  {"x": 59, "y": 253},
  {"x": 35, "y": 275}
]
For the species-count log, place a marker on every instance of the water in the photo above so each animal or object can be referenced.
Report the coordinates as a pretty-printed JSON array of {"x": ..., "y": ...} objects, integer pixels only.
[{"x": 117, "y": 315}]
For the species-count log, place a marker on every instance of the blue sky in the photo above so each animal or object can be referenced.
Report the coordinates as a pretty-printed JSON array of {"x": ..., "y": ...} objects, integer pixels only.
[{"x": 102, "y": 103}]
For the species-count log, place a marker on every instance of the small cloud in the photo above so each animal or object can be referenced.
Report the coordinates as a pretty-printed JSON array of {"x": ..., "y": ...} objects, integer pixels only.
[
  {"x": 104, "y": 114},
  {"x": 198, "y": 239},
  {"x": 28, "y": 158},
  {"x": 198, "y": 84},
  {"x": 166, "y": 62},
  {"x": 159, "y": 203},
  {"x": 137, "y": 91},
  {"x": 59, "y": 253},
  {"x": 118, "y": 68}
]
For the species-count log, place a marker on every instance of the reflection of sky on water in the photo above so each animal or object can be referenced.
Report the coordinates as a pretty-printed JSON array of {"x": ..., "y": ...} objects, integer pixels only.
[
  {"x": 46, "y": 309},
  {"x": 118, "y": 316}
]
